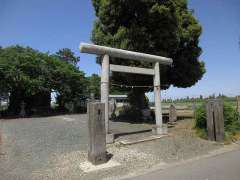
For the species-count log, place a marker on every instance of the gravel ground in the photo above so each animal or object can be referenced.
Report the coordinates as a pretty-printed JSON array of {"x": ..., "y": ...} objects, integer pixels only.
[{"x": 54, "y": 147}]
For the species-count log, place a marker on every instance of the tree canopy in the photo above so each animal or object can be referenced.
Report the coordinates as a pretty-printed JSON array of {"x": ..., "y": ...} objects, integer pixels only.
[
  {"x": 94, "y": 83},
  {"x": 166, "y": 28},
  {"x": 25, "y": 72},
  {"x": 67, "y": 55}
]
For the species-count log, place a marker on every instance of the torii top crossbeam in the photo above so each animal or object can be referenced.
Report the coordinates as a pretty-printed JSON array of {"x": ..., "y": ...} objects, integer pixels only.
[{"x": 123, "y": 54}]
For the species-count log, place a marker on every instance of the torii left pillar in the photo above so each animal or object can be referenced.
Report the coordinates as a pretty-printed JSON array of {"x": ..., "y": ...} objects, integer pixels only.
[
  {"x": 105, "y": 88},
  {"x": 157, "y": 97}
]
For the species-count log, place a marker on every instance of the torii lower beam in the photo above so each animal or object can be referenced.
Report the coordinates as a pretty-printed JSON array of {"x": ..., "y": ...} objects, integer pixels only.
[
  {"x": 124, "y": 54},
  {"x": 132, "y": 70}
]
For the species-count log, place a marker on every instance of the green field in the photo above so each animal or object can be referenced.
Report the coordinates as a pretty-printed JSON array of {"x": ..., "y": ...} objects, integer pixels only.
[{"x": 198, "y": 102}]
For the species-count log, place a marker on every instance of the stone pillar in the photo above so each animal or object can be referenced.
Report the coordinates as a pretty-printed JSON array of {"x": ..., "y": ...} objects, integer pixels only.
[
  {"x": 105, "y": 88},
  {"x": 238, "y": 103},
  {"x": 97, "y": 133},
  {"x": 215, "y": 120},
  {"x": 0, "y": 134},
  {"x": 172, "y": 114},
  {"x": 92, "y": 97},
  {"x": 22, "y": 111},
  {"x": 157, "y": 98}
]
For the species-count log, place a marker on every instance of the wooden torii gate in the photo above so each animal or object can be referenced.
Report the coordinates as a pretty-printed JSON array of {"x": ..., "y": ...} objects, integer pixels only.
[{"x": 107, "y": 52}]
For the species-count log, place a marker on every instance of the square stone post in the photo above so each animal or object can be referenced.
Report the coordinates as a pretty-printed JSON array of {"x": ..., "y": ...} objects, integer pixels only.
[
  {"x": 238, "y": 103},
  {"x": 105, "y": 88},
  {"x": 157, "y": 98},
  {"x": 215, "y": 120},
  {"x": 97, "y": 134},
  {"x": 172, "y": 113}
]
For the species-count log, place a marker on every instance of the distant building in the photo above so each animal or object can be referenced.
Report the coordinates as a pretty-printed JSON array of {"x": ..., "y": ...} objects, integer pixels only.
[
  {"x": 4, "y": 99},
  {"x": 119, "y": 100}
]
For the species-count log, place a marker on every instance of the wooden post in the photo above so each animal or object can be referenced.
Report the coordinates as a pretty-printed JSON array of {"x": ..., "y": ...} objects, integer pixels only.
[
  {"x": 157, "y": 98},
  {"x": 215, "y": 120},
  {"x": 219, "y": 120},
  {"x": 0, "y": 134},
  {"x": 172, "y": 114},
  {"x": 238, "y": 103},
  {"x": 1, "y": 151},
  {"x": 210, "y": 120},
  {"x": 105, "y": 88},
  {"x": 97, "y": 134}
]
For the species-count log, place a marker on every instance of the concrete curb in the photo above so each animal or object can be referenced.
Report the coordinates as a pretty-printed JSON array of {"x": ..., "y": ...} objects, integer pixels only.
[{"x": 150, "y": 138}]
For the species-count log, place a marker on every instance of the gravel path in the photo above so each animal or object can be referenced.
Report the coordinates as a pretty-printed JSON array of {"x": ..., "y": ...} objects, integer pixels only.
[{"x": 53, "y": 148}]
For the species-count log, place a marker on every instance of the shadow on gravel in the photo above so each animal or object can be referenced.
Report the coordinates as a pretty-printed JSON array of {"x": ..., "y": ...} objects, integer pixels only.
[
  {"x": 131, "y": 120},
  {"x": 9, "y": 117},
  {"x": 132, "y": 132}
]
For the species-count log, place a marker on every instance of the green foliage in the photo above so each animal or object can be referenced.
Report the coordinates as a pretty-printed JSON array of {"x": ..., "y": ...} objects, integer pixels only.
[
  {"x": 200, "y": 114},
  {"x": 231, "y": 120},
  {"x": 66, "y": 79},
  {"x": 23, "y": 68},
  {"x": 68, "y": 56},
  {"x": 130, "y": 114},
  {"x": 73, "y": 88},
  {"x": 202, "y": 133},
  {"x": 165, "y": 28},
  {"x": 94, "y": 83},
  {"x": 25, "y": 72},
  {"x": 232, "y": 123}
]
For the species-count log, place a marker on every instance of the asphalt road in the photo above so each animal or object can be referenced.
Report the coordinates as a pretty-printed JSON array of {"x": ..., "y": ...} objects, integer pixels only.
[{"x": 221, "y": 167}]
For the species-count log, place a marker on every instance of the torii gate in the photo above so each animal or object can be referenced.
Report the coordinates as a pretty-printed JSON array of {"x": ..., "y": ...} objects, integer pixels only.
[{"x": 124, "y": 54}]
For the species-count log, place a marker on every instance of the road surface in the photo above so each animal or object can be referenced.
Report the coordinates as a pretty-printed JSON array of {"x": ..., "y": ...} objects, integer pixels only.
[{"x": 221, "y": 167}]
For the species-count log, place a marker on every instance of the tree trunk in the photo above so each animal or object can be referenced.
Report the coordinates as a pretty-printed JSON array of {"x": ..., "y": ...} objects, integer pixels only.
[{"x": 137, "y": 99}]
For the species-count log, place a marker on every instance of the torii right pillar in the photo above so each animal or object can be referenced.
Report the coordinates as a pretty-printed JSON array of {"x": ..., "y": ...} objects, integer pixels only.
[{"x": 157, "y": 98}]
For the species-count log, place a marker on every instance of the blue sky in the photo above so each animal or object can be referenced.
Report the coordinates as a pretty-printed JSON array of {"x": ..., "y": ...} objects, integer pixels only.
[{"x": 50, "y": 25}]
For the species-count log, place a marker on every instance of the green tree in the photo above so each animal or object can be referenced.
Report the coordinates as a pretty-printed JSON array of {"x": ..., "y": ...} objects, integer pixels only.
[
  {"x": 70, "y": 93},
  {"x": 30, "y": 76},
  {"x": 67, "y": 55},
  {"x": 94, "y": 83},
  {"x": 166, "y": 28}
]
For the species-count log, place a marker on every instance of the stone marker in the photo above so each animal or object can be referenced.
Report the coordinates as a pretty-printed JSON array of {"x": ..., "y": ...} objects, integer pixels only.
[
  {"x": 172, "y": 114},
  {"x": 215, "y": 120},
  {"x": 1, "y": 138},
  {"x": 22, "y": 110},
  {"x": 97, "y": 133},
  {"x": 0, "y": 134},
  {"x": 112, "y": 109},
  {"x": 238, "y": 104},
  {"x": 146, "y": 113},
  {"x": 92, "y": 97}
]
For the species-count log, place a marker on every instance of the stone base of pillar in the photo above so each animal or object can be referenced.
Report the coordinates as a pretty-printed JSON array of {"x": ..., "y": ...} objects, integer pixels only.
[
  {"x": 110, "y": 138},
  {"x": 160, "y": 130}
]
